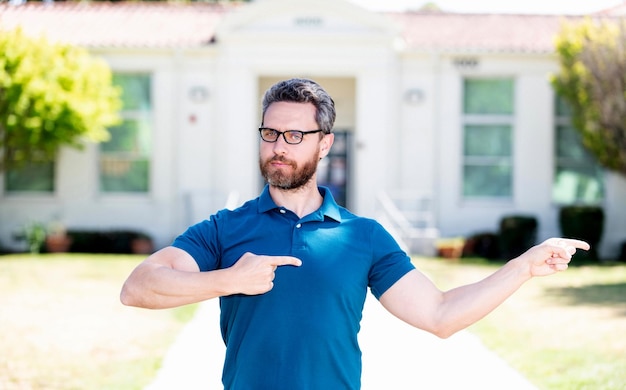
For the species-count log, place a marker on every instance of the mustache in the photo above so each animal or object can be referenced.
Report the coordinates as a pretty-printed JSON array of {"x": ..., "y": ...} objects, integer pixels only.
[{"x": 281, "y": 159}]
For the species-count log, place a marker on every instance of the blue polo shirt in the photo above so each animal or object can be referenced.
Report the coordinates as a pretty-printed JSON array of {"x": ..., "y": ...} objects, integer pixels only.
[{"x": 303, "y": 333}]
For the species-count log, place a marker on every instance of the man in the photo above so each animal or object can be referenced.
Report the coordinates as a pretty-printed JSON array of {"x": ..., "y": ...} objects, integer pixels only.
[{"x": 291, "y": 268}]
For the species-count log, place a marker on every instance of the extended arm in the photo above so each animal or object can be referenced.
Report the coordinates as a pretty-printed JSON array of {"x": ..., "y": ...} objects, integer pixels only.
[
  {"x": 170, "y": 277},
  {"x": 415, "y": 299}
]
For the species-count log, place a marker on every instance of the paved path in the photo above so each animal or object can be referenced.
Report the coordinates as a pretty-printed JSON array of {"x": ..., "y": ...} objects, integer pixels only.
[{"x": 395, "y": 356}]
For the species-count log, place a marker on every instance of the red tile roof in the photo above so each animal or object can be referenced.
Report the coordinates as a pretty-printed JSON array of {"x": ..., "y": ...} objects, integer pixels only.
[
  {"x": 618, "y": 10},
  {"x": 164, "y": 25},
  {"x": 479, "y": 32},
  {"x": 104, "y": 24}
]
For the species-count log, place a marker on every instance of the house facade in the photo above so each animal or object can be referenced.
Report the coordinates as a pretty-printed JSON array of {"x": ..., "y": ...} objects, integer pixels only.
[{"x": 455, "y": 111}]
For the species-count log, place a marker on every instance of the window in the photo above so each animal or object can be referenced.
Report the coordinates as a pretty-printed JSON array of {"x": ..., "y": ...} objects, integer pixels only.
[
  {"x": 35, "y": 176},
  {"x": 125, "y": 158},
  {"x": 577, "y": 176},
  {"x": 487, "y": 138}
]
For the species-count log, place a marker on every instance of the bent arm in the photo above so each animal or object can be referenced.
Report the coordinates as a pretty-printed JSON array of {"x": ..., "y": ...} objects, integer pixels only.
[
  {"x": 417, "y": 301},
  {"x": 169, "y": 278}
]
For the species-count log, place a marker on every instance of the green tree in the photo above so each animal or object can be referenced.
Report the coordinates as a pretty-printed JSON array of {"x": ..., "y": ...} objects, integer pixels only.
[
  {"x": 592, "y": 80},
  {"x": 51, "y": 95}
]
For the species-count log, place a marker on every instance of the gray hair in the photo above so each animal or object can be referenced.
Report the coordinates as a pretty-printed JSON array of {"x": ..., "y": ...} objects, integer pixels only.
[{"x": 303, "y": 91}]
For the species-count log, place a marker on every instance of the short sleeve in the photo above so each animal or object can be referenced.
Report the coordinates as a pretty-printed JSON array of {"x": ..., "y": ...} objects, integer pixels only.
[
  {"x": 390, "y": 262},
  {"x": 200, "y": 241}
]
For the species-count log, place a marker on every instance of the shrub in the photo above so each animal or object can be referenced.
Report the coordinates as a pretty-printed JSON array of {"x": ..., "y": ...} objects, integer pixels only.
[
  {"x": 115, "y": 241},
  {"x": 517, "y": 234},
  {"x": 583, "y": 223},
  {"x": 484, "y": 244},
  {"x": 34, "y": 234},
  {"x": 622, "y": 253}
]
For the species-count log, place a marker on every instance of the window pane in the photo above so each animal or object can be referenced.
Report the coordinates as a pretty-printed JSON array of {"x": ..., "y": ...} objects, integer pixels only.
[
  {"x": 488, "y": 96},
  {"x": 130, "y": 136},
  {"x": 135, "y": 91},
  {"x": 33, "y": 177},
  {"x": 487, "y": 140},
  {"x": 562, "y": 108},
  {"x": 487, "y": 161},
  {"x": 487, "y": 180},
  {"x": 569, "y": 145},
  {"x": 577, "y": 186},
  {"x": 119, "y": 175}
]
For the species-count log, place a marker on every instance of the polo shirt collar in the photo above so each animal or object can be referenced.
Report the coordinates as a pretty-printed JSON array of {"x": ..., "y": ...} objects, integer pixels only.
[{"x": 329, "y": 207}]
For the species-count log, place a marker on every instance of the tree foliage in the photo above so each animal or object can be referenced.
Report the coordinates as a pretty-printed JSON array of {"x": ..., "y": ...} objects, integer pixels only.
[
  {"x": 51, "y": 95},
  {"x": 592, "y": 80}
]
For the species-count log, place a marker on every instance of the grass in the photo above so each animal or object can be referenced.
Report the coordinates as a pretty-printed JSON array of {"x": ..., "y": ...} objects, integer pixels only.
[
  {"x": 62, "y": 325},
  {"x": 565, "y": 331}
]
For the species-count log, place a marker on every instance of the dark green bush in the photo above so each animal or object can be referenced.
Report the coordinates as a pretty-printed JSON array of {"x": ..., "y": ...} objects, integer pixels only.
[
  {"x": 583, "y": 223},
  {"x": 517, "y": 234},
  {"x": 484, "y": 245},
  {"x": 116, "y": 241}
]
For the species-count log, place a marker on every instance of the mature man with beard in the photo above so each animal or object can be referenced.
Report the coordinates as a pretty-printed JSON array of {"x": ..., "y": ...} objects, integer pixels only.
[{"x": 291, "y": 268}]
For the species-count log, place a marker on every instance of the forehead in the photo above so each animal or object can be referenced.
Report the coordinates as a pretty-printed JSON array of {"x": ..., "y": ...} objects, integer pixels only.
[{"x": 290, "y": 116}]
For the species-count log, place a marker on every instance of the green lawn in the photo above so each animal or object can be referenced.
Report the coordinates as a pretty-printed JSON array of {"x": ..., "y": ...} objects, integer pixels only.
[
  {"x": 62, "y": 326},
  {"x": 565, "y": 331}
]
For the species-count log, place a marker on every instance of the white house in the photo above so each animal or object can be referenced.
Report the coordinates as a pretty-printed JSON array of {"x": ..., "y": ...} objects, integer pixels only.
[{"x": 451, "y": 111}]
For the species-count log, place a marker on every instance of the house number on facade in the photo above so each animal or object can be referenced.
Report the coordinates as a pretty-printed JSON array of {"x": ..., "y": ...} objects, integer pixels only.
[
  {"x": 465, "y": 62},
  {"x": 308, "y": 21}
]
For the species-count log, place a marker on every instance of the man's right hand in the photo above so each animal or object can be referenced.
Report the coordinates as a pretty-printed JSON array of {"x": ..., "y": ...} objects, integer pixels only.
[{"x": 254, "y": 274}]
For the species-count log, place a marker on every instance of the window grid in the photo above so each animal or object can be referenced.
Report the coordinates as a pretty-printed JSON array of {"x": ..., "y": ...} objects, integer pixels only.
[
  {"x": 577, "y": 176},
  {"x": 488, "y": 108},
  {"x": 124, "y": 164}
]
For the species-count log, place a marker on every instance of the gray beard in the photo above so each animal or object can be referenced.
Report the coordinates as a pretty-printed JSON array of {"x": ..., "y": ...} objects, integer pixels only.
[{"x": 297, "y": 179}]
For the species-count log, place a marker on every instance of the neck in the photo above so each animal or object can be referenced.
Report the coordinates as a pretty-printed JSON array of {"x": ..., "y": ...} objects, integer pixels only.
[{"x": 302, "y": 200}]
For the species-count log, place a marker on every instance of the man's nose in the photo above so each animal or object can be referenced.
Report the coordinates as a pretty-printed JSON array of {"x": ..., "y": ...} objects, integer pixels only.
[{"x": 280, "y": 146}]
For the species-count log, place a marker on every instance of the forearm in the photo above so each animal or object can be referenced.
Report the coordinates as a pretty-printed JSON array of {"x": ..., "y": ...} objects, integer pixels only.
[
  {"x": 158, "y": 287},
  {"x": 463, "y": 306}
]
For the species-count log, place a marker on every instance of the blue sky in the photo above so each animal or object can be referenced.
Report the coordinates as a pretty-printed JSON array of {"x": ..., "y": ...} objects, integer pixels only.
[{"x": 570, "y": 7}]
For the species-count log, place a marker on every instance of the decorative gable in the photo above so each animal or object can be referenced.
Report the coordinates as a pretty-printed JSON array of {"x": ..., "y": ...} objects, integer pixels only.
[{"x": 286, "y": 19}]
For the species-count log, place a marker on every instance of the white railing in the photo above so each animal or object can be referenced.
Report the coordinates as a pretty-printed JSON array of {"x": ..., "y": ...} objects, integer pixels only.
[{"x": 410, "y": 218}]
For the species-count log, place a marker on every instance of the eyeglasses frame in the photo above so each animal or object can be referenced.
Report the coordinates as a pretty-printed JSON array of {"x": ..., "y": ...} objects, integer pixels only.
[{"x": 285, "y": 137}]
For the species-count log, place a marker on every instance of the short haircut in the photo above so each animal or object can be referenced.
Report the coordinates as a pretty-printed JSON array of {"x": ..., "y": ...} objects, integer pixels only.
[{"x": 298, "y": 90}]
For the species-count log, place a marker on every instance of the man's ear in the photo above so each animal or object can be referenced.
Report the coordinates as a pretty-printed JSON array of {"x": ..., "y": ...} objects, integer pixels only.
[{"x": 326, "y": 144}]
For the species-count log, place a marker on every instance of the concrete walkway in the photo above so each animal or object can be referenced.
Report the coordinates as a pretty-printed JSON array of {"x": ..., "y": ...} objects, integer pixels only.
[{"x": 395, "y": 356}]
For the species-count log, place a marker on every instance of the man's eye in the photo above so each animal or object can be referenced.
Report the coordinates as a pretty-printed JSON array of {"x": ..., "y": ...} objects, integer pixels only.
[{"x": 294, "y": 136}]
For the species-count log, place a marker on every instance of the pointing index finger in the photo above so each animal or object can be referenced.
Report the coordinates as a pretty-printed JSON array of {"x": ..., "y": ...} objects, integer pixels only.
[
  {"x": 571, "y": 242},
  {"x": 577, "y": 243},
  {"x": 285, "y": 260}
]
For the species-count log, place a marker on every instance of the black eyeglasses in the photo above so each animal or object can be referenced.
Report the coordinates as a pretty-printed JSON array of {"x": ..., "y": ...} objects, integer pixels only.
[{"x": 292, "y": 137}]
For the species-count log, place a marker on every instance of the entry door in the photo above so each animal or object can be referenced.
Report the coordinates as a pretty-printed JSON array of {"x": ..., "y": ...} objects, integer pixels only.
[{"x": 334, "y": 170}]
